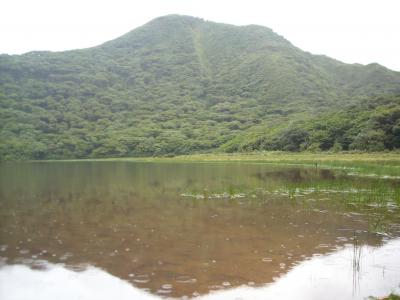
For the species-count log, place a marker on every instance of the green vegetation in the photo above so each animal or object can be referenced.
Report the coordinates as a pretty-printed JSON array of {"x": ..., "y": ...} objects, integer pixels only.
[
  {"x": 372, "y": 164},
  {"x": 181, "y": 85},
  {"x": 377, "y": 164},
  {"x": 368, "y": 126},
  {"x": 390, "y": 297}
]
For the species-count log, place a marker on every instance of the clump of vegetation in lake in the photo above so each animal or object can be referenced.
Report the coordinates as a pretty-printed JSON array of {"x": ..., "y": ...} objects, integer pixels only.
[{"x": 390, "y": 297}]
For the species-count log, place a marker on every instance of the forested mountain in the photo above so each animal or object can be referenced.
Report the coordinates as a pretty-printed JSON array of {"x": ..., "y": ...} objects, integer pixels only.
[{"x": 180, "y": 85}]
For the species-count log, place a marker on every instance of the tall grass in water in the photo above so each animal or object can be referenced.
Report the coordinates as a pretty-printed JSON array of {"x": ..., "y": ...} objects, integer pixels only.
[{"x": 356, "y": 263}]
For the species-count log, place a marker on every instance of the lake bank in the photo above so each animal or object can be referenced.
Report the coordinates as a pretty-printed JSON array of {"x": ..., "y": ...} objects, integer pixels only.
[{"x": 374, "y": 164}]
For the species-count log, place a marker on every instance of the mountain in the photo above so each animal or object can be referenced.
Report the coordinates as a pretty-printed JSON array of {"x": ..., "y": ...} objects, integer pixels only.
[{"x": 180, "y": 85}]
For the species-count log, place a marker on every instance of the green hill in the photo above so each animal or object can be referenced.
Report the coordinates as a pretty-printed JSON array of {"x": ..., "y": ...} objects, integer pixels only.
[{"x": 181, "y": 85}]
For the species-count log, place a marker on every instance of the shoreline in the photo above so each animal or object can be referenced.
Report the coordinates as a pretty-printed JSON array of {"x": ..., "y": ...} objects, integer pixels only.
[{"x": 380, "y": 164}]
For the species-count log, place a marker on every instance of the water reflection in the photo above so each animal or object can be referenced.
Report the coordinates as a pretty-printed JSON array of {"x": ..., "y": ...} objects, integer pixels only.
[
  {"x": 321, "y": 277},
  {"x": 331, "y": 277},
  {"x": 57, "y": 282},
  {"x": 188, "y": 229}
]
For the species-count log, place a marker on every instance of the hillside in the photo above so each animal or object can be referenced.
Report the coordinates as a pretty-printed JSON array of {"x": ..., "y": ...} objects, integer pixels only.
[{"x": 182, "y": 85}]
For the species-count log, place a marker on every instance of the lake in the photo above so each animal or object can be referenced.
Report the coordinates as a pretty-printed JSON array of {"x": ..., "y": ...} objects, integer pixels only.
[{"x": 137, "y": 230}]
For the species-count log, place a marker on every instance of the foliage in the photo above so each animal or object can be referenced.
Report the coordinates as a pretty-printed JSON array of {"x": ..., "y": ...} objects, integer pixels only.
[
  {"x": 369, "y": 126},
  {"x": 390, "y": 297},
  {"x": 181, "y": 85}
]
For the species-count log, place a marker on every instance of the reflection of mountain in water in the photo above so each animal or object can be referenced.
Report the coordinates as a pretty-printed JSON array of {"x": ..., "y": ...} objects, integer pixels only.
[
  {"x": 131, "y": 220},
  {"x": 322, "y": 277},
  {"x": 330, "y": 277}
]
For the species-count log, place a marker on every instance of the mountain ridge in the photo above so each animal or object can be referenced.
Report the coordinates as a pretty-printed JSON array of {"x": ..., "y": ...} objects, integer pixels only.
[
  {"x": 178, "y": 85},
  {"x": 199, "y": 19}
]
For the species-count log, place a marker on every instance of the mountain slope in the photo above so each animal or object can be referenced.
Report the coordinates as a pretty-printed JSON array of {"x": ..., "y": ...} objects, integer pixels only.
[{"x": 180, "y": 85}]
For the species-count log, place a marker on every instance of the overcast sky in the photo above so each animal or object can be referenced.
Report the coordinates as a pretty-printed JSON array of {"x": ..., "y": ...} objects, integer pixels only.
[{"x": 353, "y": 31}]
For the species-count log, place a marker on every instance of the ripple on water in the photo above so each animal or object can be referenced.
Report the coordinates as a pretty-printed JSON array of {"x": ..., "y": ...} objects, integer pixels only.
[
  {"x": 215, "y": 287},
  {"x": 78, "y": 268},
  {"x": 267, "y": 259},
  {"x": 163, "y": 292},
  {"x": 185, "y": 279},
  {"x": 323, "y": 246},
  {"x": 342, "y": 239},
  {"x": 25, "y": 261},
  {"x": 66, "y": 256},
  {"x": 40, "y": 264},
  {"x": 166, "y": 286},
  {"x": 142, "y": 278}
]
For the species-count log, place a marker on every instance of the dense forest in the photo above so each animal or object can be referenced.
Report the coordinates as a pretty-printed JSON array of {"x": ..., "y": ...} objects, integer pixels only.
[{"x": 181, "y": 85}]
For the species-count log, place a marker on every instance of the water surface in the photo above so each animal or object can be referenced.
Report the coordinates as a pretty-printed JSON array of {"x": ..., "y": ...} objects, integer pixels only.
[{"x": 178, "y": 230}]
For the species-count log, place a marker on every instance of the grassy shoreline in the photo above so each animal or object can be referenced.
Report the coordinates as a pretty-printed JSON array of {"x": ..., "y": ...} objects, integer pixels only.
[
  {"x": 368, "y": 164},
  {"x": 300, "y": 157},
  {"x": 374, "y": 164},
  {"x": 265, "y": 156}
]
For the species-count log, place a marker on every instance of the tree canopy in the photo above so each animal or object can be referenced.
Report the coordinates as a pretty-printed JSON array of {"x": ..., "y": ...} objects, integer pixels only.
[{"x": 181, "y": 85}]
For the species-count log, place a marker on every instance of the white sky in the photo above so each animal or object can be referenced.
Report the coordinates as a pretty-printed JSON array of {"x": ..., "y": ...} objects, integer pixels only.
[{"x": 353, "y": 31}]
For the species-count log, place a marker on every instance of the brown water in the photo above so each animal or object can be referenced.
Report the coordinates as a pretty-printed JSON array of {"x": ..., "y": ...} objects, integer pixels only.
[{"x": 178, "y": 230}]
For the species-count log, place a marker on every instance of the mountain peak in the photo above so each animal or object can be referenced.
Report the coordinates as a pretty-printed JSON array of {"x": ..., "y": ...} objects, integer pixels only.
[
  {"x": 175, "y": 20},
  {"x": 179, "y": 84},
  {"x": 174, "y": 27},
  {"x": 173, "y": 17}
]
